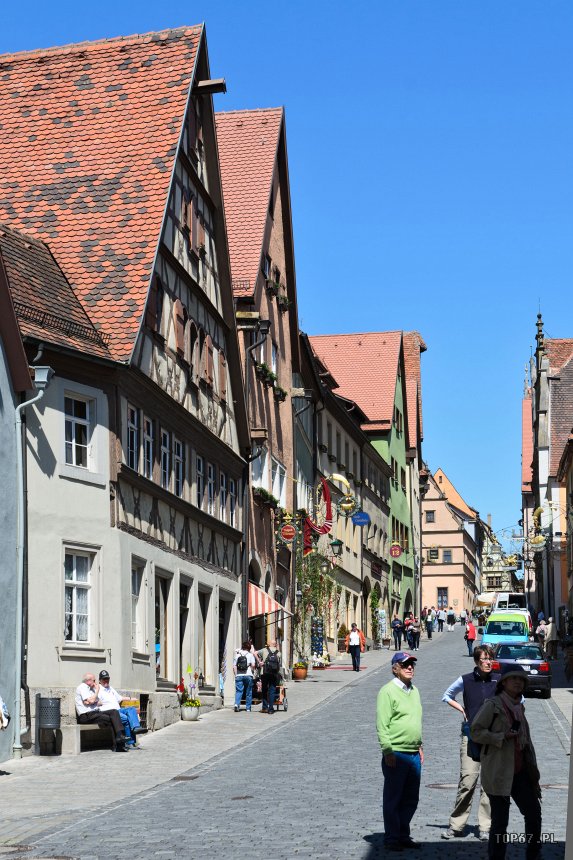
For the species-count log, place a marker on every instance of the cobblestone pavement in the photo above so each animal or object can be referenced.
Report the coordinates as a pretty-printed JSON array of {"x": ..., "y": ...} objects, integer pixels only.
[{"x": 306, "y": 784}]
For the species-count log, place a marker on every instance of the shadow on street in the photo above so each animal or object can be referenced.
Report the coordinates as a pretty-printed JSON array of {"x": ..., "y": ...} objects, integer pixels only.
[{"x": 459, "y": 849}]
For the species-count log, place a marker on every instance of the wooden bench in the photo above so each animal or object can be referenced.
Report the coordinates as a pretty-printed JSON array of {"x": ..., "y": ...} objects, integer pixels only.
[{"x": 72, "y": 737}]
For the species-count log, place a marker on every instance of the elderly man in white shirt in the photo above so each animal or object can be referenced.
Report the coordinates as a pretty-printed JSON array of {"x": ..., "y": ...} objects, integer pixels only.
[
  {"x": 89, "y": 710},
  {"x": 111, "y": 700}
]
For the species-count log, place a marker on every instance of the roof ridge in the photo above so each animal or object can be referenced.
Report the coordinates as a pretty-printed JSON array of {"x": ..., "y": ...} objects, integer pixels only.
[
  {"x": 249, "y": 110},
  {"x": 359, "y": 333},
  {"x": 33, "y": 240},
  {"x": 78, "y": 47}
]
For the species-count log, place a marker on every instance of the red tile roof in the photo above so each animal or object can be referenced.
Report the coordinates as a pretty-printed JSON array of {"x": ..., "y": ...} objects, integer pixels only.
[
  {"x": 88, "y": 137},
  {"x": 46, "y": 306},
  {"x": 452, "y": 495},
  {"x": 561, "y": 414},
  {"x": 413, "y": 347},
  {"x": 247, "y": 142},
  {"x": 559, "y": 351},
  {"x": 526, "y": 444},
  {"x": 365, "y": 367}
]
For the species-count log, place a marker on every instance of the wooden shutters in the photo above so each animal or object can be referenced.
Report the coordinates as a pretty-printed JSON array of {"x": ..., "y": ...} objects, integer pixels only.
[
  {"x": 222, "y": 375},
  {"x": 179, "y": 317}
]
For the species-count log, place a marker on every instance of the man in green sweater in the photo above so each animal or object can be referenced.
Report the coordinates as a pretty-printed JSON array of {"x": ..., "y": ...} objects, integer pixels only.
[{"x": 399, "y": 727}]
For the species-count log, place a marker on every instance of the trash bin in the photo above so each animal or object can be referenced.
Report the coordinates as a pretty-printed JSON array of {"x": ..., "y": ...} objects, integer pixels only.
[{"x": 49, "y": 714}]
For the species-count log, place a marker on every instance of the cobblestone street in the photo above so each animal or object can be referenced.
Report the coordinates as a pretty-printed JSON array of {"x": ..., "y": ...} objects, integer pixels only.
[{"x": 322, "y": 760}]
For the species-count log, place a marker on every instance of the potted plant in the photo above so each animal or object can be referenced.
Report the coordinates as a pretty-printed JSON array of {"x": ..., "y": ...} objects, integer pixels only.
[
  {"x": 272, "y": 287},
  {"x": 342, "y": 634},
  {"x": 300, "y": 670},
  {"x": 320, "y": 661},
  {"x": 190, "y": 705},
  {"x": 264, "y": 498},
  {"x": 283, "y": 303},
  {"x": 280, "y": 394}
]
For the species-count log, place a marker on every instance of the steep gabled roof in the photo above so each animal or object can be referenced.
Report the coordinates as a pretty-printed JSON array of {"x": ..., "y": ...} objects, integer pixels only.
[
  {"x": 89, "y": 134},
  {"x": 452, "y": 495},
  {"x": 526, "y": 444},
  {"x": 559, "y": 351},
  {"x": 247, "y": 141},
  {"x": 46, "y": 307},
  {"x": 560, "y": 415},
  {"x": 414, "y": 346},
  {"x": 365, "y": 367}
]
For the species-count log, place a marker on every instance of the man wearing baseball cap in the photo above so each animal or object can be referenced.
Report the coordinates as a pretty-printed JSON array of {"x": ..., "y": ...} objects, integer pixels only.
[
  {"x": 111, "y": 701},
  {"x": 399, "y": 727}
]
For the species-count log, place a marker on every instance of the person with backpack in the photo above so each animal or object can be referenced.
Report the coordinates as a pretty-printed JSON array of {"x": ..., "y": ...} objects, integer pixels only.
[
  {"x": 271, "y": 660},
  {"x": 243, "y": 665}
]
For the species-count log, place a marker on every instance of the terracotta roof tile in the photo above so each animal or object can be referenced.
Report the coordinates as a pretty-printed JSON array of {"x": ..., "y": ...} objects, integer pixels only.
[
  {"x": 247, "y": 142},
  {"x": 45, "y": 304},
  {"x": 561, "y": 414},
  {"x": 88, "y": 136},
  {"x": 365, "y": 367},
  {"x": 526, "y": 445},
  {"x": 559, "y": 351}
]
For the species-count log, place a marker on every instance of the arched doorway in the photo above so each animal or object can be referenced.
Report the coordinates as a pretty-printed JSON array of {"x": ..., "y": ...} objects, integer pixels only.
[{"x": 408, "y": 603}]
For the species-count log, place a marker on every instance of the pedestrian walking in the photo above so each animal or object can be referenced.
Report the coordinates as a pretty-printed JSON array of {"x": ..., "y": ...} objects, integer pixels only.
[
  {"x": 441, "y": 619},
  {"x": 399, "y": 728},
  {"x": 397, "y": 630},
  {"x": 451, "y": 617},
  {"x": 244, "y": 663},
  {"x": 463, "y": 616},
  {"x": 508, "y": 762},
  {"x": 541, "y": 633},
  {"x": 271, "y": 674},
  {"x": 356, "y": 644},
  {"x": 423, "y": 616},
  {"x": 415, "y": 630},
  {"x": 470, "y": 637},
  {"x": 551, "y": 639},
  {"x": 475, "y": 687},
  {"x": 407, "y": 631},
  {"x": 430, "y": 621}
]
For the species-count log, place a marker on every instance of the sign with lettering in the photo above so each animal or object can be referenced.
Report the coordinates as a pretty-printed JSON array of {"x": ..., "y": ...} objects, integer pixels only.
[
  {"x": 288, "y": 532},
  {"x": 395, "y": 550},
  {"x": 361, "y": 519}
]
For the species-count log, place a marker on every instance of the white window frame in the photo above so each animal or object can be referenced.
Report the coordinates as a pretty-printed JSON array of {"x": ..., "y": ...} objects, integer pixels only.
[
  {"x": 232, "y": 501},
  {"x": 274, "y": 358},
  {"x": 165, "y": 459},
  {"x": 200, "y": 480},
  {"x": 97, "y": 470},
  {"x": 138, "y": 606},
  {"x": 211, "y": 472},
  {"x": 148, "y": 447},
  {"x": 223, "y": 494},
  {"x": 259, "y": 470},
  {"x": 77, "y": 585},
  {"x": 278, "y": 481},
  {"x": 178, "y": 466},
  {"x": 133, "y": 438},
  {"x": 73, "y": 421}
]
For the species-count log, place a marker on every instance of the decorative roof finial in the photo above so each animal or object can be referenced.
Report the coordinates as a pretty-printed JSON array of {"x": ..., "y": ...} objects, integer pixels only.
[{"x": 539, "y": 337}]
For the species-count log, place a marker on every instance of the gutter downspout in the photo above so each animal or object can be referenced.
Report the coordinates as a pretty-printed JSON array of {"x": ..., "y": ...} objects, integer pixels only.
[{"x": 18, "y": 732}]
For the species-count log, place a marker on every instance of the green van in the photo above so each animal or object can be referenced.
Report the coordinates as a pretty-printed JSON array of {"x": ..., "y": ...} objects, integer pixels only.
[{"x": 505, "y": 627}]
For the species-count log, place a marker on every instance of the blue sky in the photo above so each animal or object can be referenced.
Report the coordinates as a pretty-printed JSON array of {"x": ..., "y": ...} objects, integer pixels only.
[{"x": 430, "y": 156}]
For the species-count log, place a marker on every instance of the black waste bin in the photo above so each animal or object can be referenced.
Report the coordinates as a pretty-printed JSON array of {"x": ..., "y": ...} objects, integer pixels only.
[{"x": 49, "y": 714}]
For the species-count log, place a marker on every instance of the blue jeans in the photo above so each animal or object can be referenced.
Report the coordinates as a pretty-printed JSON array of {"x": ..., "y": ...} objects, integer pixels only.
[
  {"x": 130, "y": 721},
  {"x": 400, "y": 797},
  {"x": 397, "y": 639},
  {"x": 244, "y": 687},
  {"x": 429, "y": 628},
  {"x": 269, "y": 693},
  {"x": 470, "y": 643},
  {"x": 355, "y": 654}
]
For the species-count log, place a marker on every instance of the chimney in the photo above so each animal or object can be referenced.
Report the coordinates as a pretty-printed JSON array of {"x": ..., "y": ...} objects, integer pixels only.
[{"x": 489, "y": 520}]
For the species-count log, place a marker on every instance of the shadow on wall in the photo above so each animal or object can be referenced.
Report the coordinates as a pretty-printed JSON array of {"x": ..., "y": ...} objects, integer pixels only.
[{"x": 38, "y": 445}]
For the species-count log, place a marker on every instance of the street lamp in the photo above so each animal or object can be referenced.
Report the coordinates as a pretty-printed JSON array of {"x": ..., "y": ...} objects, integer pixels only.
[
  {"x": 336, "y": 547},
  {"x": 325, "y": 567}
]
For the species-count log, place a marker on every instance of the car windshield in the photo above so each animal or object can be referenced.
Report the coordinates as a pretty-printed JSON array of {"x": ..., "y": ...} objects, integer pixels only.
[
  {"x": 506, "y": 628},
  {"x": 515, "y": 652}
]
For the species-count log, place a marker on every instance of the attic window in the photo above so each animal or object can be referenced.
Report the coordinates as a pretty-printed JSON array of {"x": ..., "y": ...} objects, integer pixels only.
[{"x": 266, "y": 265}]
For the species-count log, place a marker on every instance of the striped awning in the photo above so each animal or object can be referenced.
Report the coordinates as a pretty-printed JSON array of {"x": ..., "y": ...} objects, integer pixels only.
[{"x": 260, "y": 603}]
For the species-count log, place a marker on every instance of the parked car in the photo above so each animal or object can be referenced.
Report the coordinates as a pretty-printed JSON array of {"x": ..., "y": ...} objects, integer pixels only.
[
  {"x": 530, "y": 656},
  {"x": 505, "y": 627}
]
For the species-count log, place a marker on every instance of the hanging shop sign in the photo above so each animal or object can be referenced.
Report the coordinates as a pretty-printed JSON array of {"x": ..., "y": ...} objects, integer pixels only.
[
  {"x": 361, "y": 519},
  {"x": 395, "y": 550},
  {"x": 288, "y": 532}
]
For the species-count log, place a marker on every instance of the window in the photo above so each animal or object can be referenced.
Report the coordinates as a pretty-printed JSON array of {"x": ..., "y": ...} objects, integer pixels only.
[
  {"x": 398, "y": 421},
  {"x": 133, "y": 438},
  {"x": 447, "y": 556},
  {"x": 433, "y": 554},
  {"x": 442, "y": 602},
  {"x": 430, "y": 516},
  {"x": 77, "y": 574},
  {"x": 329, "y": 436},
  {"x": 266, "y": 265},
  {"x": 200, "y": 477},
  {"x": 210, "y": 488},
  {"x": 137, "y": 606},
  {"x": 274, "y": 358},
  {"x": 232, "y": 501},
  {"x": 222, "y": 496},
  {"x": 147, "y": 447},
  {"x": 403, "y": 479},
  {"x": 394, "y": 465},
  {"x": 259, "y": 470},
  {"x": 259, "y": 353},
  {"x": 165, "y": 460},
  {"x": 279, "y": 482},
  {"x": 79, "y": 423},
  {"x": 178, "y": 462}
]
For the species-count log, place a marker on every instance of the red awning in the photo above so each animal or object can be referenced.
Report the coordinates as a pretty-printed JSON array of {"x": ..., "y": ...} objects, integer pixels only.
[{"x": 260, "y": 603}]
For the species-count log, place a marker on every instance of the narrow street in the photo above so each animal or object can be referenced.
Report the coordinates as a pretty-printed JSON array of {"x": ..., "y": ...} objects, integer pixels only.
[{"x": 310, "y": 785}]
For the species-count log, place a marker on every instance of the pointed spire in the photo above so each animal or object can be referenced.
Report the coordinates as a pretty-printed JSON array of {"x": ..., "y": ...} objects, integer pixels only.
[
  {"x": 526, "y": 387},
  {"x": 539, "y": 337}
]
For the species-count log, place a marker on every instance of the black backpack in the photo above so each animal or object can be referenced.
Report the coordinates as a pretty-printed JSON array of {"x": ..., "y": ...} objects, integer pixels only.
[
  {"x": 272, "y": 664},
  {"x": 242, "y": 664}
]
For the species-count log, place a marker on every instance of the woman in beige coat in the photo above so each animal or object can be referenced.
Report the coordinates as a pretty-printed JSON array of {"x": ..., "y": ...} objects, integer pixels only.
[{"x": 508, "y": 762}]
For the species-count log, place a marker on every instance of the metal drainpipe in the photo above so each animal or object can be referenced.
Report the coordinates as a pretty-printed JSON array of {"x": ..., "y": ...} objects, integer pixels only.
[{"x": 18, "y": 732}]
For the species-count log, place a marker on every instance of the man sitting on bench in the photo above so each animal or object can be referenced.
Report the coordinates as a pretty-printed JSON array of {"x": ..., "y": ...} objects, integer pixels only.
[
  {"x": 110, "y": 700},
  {"x": 88, "y": 709}
]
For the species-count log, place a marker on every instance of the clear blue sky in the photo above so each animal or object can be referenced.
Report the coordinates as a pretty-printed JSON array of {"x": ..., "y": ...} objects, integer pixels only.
[{"x": 430, "y": 148}]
